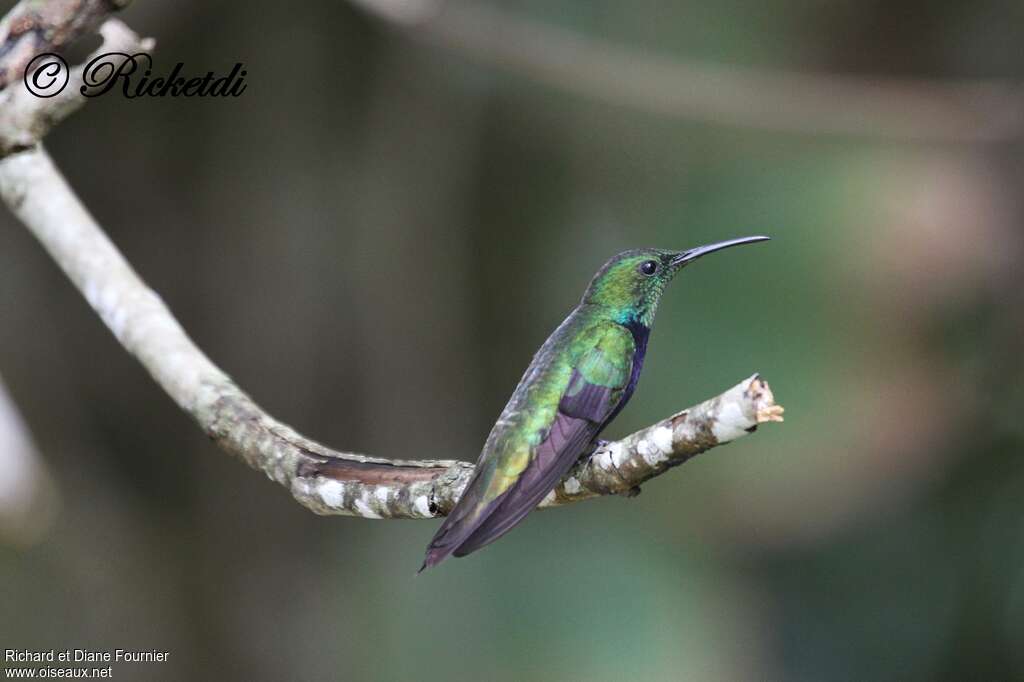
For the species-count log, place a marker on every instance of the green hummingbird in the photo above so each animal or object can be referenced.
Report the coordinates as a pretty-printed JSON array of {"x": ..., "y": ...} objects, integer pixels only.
[{"x": 577, "y": 383}]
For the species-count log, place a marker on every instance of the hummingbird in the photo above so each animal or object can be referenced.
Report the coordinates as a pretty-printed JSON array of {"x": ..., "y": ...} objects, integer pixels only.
[{"x": 577, "y": 383}]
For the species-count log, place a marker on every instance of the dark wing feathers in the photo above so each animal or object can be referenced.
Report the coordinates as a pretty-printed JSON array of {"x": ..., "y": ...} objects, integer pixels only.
[
  {"x": 586, "y": 400},
  {"x": 601, "y": 366},
  {"x": 553, "y": 459}
]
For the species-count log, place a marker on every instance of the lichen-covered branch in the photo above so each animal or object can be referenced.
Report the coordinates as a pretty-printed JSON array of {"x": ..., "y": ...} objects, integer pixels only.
[
  {"x": 617, "y": 468},
  {"x": 324, "y": 480},
  {"x": 620, "y": 467}
]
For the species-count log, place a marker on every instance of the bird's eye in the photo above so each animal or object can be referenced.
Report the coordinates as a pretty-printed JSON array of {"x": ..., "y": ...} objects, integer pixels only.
[{"x": 649, "y": 267}]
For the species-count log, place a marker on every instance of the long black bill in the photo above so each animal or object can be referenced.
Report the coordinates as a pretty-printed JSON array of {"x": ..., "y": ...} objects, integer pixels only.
[{"x": 697, "y": 252}]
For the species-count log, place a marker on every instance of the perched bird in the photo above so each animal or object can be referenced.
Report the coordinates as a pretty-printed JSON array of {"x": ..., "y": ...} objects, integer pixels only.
[{"x": 576, "y": 384}]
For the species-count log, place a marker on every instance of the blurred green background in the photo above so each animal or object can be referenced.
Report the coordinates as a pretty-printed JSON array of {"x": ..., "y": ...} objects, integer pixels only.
[{"x": 373, "y": 240}]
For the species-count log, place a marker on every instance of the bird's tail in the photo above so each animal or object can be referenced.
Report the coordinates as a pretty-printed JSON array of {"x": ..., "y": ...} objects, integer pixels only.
[{"x": 456, "y": 529}]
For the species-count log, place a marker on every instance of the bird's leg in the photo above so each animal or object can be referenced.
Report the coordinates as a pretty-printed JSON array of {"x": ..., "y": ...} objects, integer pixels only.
[{"x": 598, "y": 443}]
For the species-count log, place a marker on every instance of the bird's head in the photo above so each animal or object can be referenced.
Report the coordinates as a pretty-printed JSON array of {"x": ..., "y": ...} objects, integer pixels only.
[{"x": 631, "y": 283}]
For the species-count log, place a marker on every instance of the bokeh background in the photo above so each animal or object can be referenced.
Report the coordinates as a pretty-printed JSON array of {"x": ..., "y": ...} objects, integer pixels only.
[{"x": 374, "y": 238}]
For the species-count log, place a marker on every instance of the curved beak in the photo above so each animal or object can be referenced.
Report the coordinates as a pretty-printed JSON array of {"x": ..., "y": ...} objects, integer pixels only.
[{"x": 697, "y": 252}]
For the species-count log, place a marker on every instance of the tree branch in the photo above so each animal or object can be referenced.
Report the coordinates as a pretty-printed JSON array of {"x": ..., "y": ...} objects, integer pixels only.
[
  {"x": 324, "y": 480},
  {"x": 33, "y": 27},
  {"x": 26, "y": 118},
  {"x": 760, "y": 99},
  {"x": 331, "y": 486}
]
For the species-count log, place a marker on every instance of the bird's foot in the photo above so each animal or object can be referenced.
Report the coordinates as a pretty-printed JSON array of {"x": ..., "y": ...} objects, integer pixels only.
[{"x": 598, "y": 445}]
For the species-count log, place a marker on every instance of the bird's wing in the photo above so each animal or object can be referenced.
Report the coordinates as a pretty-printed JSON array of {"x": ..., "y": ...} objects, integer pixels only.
[{"x": 526, "y": 465}]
